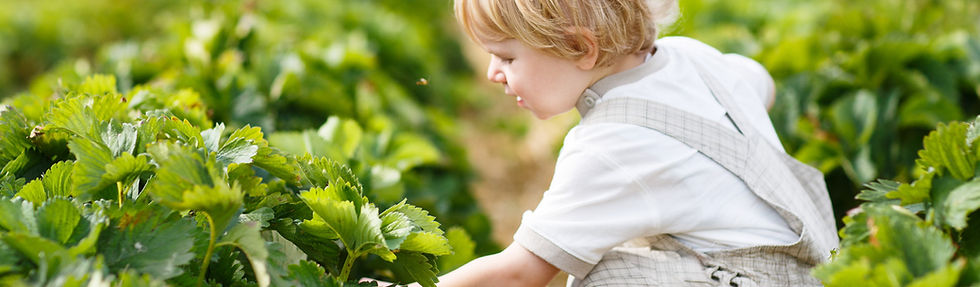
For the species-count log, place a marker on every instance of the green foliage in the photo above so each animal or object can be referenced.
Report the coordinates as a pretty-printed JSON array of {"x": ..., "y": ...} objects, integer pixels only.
[
  {"x": 927, "y": 237},
  {"x": 148, "y": 198}
]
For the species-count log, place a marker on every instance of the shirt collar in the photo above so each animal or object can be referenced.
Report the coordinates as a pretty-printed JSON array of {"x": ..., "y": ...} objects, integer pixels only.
[{"x": 590, "y": 97}]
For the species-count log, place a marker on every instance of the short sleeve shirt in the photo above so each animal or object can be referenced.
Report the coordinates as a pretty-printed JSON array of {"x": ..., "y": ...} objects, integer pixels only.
[{"x": 616, "y": 182}]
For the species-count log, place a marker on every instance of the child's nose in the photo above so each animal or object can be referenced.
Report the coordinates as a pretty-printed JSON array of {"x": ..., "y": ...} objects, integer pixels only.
[{"x": 494, "y": 74}]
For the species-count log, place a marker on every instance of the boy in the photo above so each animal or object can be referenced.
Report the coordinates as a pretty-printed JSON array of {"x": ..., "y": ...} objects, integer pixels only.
[{"x": 675, "y": 175}]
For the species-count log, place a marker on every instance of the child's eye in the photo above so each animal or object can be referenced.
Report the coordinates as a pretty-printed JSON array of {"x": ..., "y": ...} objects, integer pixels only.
[{"x": 507, "y": 60}]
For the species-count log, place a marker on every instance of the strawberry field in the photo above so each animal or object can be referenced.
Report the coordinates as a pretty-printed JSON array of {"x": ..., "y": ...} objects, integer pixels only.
[{"x": 316, "y": 142}]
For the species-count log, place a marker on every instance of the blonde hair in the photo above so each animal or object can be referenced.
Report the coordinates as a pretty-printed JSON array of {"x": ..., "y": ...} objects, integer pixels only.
[{"x": 620, "y": 27}]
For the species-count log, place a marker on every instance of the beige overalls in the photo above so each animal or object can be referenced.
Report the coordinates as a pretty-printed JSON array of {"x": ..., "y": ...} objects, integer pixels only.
[{"x": 796, "y": 191}]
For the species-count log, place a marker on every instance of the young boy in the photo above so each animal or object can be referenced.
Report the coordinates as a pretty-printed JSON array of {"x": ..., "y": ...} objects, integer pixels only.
[{"x": 675, "y": 176}]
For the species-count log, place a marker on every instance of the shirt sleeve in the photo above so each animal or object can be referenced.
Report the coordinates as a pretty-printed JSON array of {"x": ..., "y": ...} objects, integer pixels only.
[
  {"x": 755, "y": 75},
  {"x": 593, "y": 205}
]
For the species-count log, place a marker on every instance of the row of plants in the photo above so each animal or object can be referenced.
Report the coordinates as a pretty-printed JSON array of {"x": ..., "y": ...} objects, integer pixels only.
[
  {"x": 372, "y": 84},
  {"x": 127, "y": 190},
  {"x": 859, "y": 83},
  {"x": 920, "y": 233}
]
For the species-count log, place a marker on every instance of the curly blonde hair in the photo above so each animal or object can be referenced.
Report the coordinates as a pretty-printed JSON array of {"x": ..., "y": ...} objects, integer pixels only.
[{"x": 619, "y": 27}]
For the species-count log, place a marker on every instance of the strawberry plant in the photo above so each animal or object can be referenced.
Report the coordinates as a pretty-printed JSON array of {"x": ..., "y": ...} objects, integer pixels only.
[
  {"x": 102, "y": 187},
  {"x": 923, "y": 233}
]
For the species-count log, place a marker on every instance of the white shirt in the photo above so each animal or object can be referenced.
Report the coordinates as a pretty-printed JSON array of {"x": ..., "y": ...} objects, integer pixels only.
[{"x": 615, "y": 182}]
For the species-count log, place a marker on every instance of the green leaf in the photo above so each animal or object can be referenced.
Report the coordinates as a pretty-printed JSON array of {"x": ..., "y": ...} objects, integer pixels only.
[
  {"x": 419, "y": 217},
  {"x": 343, "y": 133},
  {"x": 32, "y": 246},
  {"x": 151, "y": 247},
  {"x": 33, "y": 192},
  {"x": 262, "y": 216},
  {"x": 335, "y": 177},
  {"x": 91, "y": 160},
  {"x": 463, "y": 250},
  {"x": 119, "y": 138},
  {"x": 396, "y": 227},
  {"x": 10, "y": 184},
  {"x": 411, "y": 150},
  {"x": 126, "y": 169},
  {"x": 946, "y": 276},
  {"x": 411, "y": 266},
  {"x": 946, "y": 148},
  {"x": 359, "y": 231},
  {"x": 916, "y": 192},
  {"x": 876, "y": 191},
  {"x": 278, "y": 164},
  {"x": 73, "y": 115},
  {"x": 13, "y": 134},
  {"x": 246, "y": 237},
  {"x": 237, "y": 150},
  {"x": 923, "y": 249},
  {"x": 180, "y": 168},
  {"x": 17, "y": 215},
  {"x": 183, "y": 131},
  {"x": 212, "y": 137},
  {"x": 426, "y": 242},
  {"x": 308, "y": 273},
  {"x": 98, "y": 85},
  {"x": 56, "y": 219},
  {"x": 960, "y": 202},
  {"x": 57, "y": 180}
]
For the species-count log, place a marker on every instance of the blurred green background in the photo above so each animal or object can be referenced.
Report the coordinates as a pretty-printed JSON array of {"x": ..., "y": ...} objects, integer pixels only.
[{"x": 859, "y": 83}]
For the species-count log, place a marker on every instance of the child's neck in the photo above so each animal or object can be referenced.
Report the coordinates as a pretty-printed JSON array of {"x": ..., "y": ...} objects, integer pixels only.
[{"x": 621, "y": 64}]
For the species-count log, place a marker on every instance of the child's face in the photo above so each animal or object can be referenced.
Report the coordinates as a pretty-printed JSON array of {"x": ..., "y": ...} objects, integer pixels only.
[{"x": 542, "y": 83}]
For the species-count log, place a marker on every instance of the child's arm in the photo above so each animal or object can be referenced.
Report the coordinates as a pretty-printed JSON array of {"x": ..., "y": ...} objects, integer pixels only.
[{"x": 515, "y": 266}]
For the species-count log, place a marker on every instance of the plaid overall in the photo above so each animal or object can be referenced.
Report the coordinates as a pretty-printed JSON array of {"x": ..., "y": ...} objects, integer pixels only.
[{"x": 796, "y": 191}]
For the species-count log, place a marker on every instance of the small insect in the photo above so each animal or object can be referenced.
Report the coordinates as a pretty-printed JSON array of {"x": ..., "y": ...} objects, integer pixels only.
[{"x": 422, "y": 82}]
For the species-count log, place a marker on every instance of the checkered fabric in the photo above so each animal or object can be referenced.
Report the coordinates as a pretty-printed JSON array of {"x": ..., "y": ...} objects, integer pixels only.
[{"x": 796, "y": 191}]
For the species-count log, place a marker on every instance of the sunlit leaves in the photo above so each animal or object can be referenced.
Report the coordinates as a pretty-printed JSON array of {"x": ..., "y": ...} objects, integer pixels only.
[
  {"x": 946, "y": 148},
  {"x": 150, "y": 247}
]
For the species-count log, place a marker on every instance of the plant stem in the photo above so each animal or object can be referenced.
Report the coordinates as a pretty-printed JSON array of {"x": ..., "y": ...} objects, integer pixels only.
[
  {"x": 207, "y": 255},
  {"x": 120, "y": 190},
  {"x": 348, "y": 264}
]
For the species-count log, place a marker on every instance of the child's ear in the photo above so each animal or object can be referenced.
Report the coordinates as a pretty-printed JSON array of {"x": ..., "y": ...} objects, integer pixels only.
[{"x": 587, "y": 44}]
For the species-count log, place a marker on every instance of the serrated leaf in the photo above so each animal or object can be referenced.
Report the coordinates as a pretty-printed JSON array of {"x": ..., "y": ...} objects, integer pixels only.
[
  {"x": 411, "y": 150},
  {"x": 10, "y": 184},
  {"x": 13, "y": 134},
  {"x": 278, "y": 164},
  {"x": 946, "y": 149},
  {"x": 98, "y": 85},
  {"x": 946, "y": 276},
  {"x": 119, "y": 138},
  {"x": 56, "y": 219},
  {"x": 57, "y": 180},
  {"x": 183, "y": 131},
  {"x": 345, "y": 134},
  {"x": 126, "y": 169},
  {"x": 155, "y": 248},
  {"x": 359, "y": 231},
  {"x": 324, "y": 172},
  {"x": 212, "y": 137},
  {"x": 180, "y": 168},
  {"x": 411, "y": 266},
  {"x": 74, "y": 115},
  {"x": 260, "y": 216},
  {"x": 246, "y": 237},
  {"x": 33, "y": 192},
  {"x": 427, "y": 242},
  {"x": 877, "y": 190},
  {"x": 17, "y": 215},
  {"x": 923, "y": 249},
  {"x": 237, "y": 151},
  {"x": 913, "y": 193},
  {"x": 463, "y": 250},
  {"x": 91, "y": 159},
  {"x": 396, "y": 227},
  {"x": 308, "y": 273},
  {"x": 960, "y": 203},
  {"x": 32, "y": 246},
  {"x": 419, "y": 217}
]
